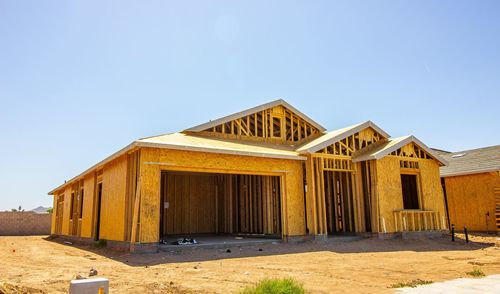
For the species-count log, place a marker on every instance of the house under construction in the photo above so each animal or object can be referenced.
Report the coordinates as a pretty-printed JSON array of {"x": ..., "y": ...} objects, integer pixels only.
[{"x": 267, "y": 171}]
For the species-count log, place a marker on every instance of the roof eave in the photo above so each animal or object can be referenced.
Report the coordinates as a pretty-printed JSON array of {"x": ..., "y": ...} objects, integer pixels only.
[
  {"x": 470, "y": 172},
  {"x": 403, "y": 142},
  {"x": 220, "y": 151},
  {"x": 97, "y": 166},
  {"x": 346, "y": 134}
]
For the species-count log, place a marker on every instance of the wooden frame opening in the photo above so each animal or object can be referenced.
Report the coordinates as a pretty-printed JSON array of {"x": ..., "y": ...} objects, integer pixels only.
[
  {"x": 339, "y": 202},
  {"x": 210, "y": 203},
  {"x": 98, "y": 210},
  {"x": 409, "y": 186}
]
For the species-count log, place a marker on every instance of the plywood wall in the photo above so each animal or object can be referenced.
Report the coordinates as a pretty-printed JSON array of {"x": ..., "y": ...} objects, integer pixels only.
[
  {"x": 470, "y": 199},
  {"x": 66, "y": 211},
  {"x": 390, "y": 197},
  {"x": 54, "y": 219},
  {"x": 113, "y": 200},
  {"x": 154, "y": 160},
  {"x": 389, "y": 192},
  {"x": 431, "y": 190},
  {"x": 88, "y": 206}
]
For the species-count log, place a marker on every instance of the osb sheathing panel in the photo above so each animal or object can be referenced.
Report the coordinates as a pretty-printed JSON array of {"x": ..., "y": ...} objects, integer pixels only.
[
  {"x": 470, "y": 198},
  {"x": 113, "y": 200},
  {"x": 66, "y": 210},
  {"x": 389, "y": 191},
  {"x": 431, "y": 190},
  {"x": 88, "y": 205},
  {"x": 154, "y": 160},
  {"x": 53, "y": 223}
]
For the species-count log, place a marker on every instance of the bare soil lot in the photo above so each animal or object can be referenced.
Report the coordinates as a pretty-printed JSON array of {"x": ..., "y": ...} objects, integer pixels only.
[{"x": 38, "y": 265}]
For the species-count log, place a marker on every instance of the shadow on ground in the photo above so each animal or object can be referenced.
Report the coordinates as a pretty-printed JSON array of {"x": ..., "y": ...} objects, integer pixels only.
[{"x": 366, "y": 245}]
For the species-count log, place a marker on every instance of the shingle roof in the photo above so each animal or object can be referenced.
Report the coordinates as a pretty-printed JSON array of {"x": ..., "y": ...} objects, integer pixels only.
[
  {"x": 471, "y": 161},
  {"x": 392, "y": 145}
]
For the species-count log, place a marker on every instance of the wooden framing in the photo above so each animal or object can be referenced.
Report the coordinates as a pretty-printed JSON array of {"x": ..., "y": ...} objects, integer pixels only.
[
  {"x": 256, "y": 166},
  {"x": 411, "y": 151},
  {"x": 277, "y": 124},
  {"x": 351, "y": 144}
]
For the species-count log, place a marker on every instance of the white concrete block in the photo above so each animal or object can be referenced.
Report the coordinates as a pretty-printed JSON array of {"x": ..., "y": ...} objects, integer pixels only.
[{"x": 89, "y": 286}]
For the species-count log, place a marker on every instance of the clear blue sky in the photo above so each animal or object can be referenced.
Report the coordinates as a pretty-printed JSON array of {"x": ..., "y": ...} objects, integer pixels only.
[{"x": 81, "y": 79}]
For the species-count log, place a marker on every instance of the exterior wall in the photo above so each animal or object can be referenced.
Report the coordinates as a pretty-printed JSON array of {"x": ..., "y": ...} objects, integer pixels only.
[
  {"x": 24, "y": 223},
  {"x": 88, "y": 206},
  {"x": 389, "y": 192},
  {"x": 153, "y": 161},
  {"x": 66, "y": 211},
  {"x": 53, "y": 215},
  {"x": 390, "y": 196},
  {"x": 431, "y": 190},
  {"x": 470, "y": 199},
  {"x": 112, "y": 226},
  {"x": 114, "y": 188}
]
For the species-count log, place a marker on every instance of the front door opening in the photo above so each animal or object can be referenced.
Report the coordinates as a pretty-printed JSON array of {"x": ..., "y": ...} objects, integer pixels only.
[
  {"x": 209, "y": 203},
  {"x": 410, "y": 191},
  {"x": 339, "y": 202},
  {"x": 98, "y": 211}
]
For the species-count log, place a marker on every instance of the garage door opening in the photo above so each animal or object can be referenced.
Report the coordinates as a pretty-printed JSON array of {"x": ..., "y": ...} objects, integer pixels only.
[{"x": 197, "y": 205}]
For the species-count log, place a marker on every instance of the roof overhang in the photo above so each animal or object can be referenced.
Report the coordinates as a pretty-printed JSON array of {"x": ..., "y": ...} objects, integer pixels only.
[
  {"x": 471, "y": 172},
  {"x": 337, "y": 135},
  {"x": 249, "y": 111},
  {"x": 393, "y": 145},
  {"x": 139, "y": 144}
]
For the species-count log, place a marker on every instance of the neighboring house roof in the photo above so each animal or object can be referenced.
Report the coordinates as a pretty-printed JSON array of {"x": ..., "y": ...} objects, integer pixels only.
[
  {"x": 40, "y": 209},
  {"x": 337, "y": 135},
  {"x": 262, "y": 107},
  {"x": 472, "y": 161},
  {"x": 392, "y": 145},
  {"x": 440, "y": 151}
]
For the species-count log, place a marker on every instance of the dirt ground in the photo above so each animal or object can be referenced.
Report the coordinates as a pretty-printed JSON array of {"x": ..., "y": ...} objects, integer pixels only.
[{"x": 39, "y": 265}]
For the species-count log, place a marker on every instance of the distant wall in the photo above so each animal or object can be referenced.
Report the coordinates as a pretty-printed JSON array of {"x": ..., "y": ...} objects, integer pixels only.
[
  {"x": 24, "y": 223},
  {"x": 471, "y": 201}
]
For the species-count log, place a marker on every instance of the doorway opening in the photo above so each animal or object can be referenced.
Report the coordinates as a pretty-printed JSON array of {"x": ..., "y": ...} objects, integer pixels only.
[
  {"x": 339, "y": 202},
  {"x": 98, "y": 211}
]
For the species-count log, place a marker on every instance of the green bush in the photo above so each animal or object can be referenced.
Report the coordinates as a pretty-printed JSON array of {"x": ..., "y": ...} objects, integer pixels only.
[
  {"x": 477, "y": 273},
  {"x": 411, "y": 284},
  {"x": 275, "y": 286},
  {"x": 101, "y": 243}
]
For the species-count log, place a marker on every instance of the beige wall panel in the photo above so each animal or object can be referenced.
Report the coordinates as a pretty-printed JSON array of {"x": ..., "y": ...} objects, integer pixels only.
[
  {"x": 390, "y": 196},
  {"x": 431, "y": 190},
  {"x": 88, "y": 205},
  {"x": 113, "y": 200},
  {"x": 210, "y": 162},
  {"x": 54, "y": 207},
  {"x": 470, "y": 199},
  {"x": 66, "y": 211}
]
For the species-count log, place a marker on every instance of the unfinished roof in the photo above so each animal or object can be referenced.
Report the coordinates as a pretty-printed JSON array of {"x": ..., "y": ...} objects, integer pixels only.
[
  {"x": 252, "y": 110},
  {"x": 181, "y": 141},
  {"x": 394, "y": 144},
  {"x": 337, "y": 135},
  {"x": 472, "y": 161}
]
